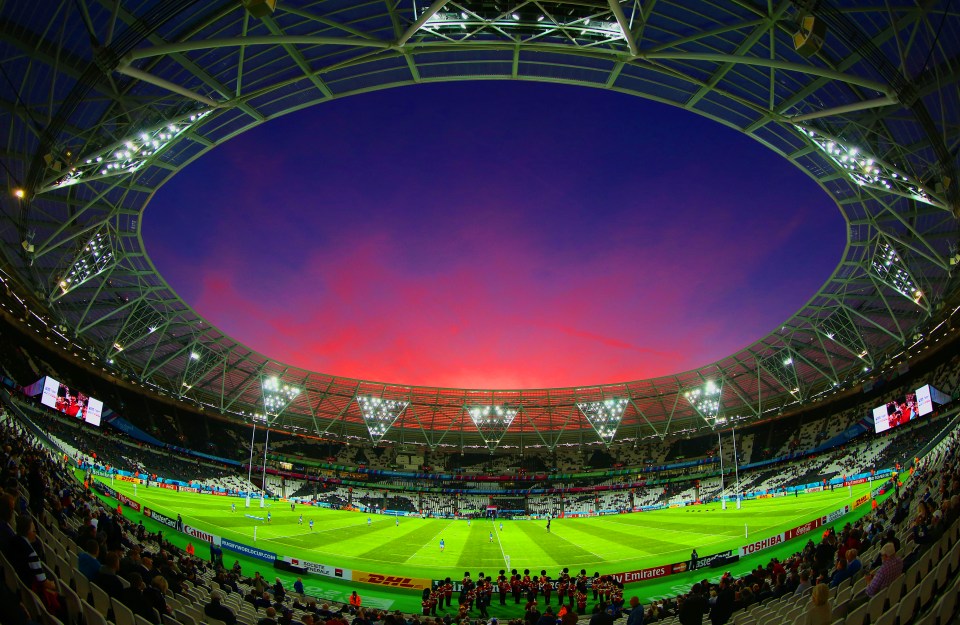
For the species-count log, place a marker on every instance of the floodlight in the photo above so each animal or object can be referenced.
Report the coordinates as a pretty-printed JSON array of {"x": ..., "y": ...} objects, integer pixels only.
[
  {"x": 380, "y": 414},
  {"x": 492, "y": 421},
  {"x": 277, "y": 395},
  {"x": 840, "y": 328},
  {"x": 93, "y": 258},
  {"x": 529, "y": 22},
  {"x": 604, "y": 416},
  {"x": 866, "y": 171},
  {"x": 129, "y": 154},
  {"x": 705, "y": 400},
  {"x": 140, "y": 323},
  {"x": 889, "y": 267},
  {"x": 780, "y": 366}
]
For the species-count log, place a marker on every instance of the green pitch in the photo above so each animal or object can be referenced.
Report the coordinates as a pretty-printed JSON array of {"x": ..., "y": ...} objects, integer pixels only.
[{"x": 410, "y": 548}]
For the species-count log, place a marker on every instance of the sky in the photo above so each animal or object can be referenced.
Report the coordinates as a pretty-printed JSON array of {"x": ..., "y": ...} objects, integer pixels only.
[{"x": 494, "y": 235}]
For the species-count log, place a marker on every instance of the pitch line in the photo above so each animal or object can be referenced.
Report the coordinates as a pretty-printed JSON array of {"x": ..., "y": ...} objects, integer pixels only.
[
  {"x": 310, "y": 533},
  {"x": 500, "y": 544},
  {"x": 164, "y": 508},
  {"x": 414, "y": 554}
]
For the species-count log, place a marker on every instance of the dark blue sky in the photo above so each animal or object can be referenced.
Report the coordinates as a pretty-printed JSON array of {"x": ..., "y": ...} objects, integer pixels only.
[{"x": 495, "y": 234}]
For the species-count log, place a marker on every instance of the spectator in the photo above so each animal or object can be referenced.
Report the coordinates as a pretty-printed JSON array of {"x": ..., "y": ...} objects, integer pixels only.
[
  {"x": 846, "y": 569},
  {"x": 270, "y": 618},
  {"x": 890, "y": 569},
  {"x": 263, "y": 601},
  {"x": 7, "y": 533},
  {"x": 154, "y": 594},
  {"x": 216, "y": 609},
  {"x": 130, "y": 563},
  {"x": 107, "y": 577},
  {"x": 88, "y": 562},
  {"x": 133, "y": 598},
  {"x": 723, "y": 604},
  {"x": 25, "y": 561},
  {"x": 818, "y": 612},
  {"x": 600, "y": 615},
  {"x": 23, "y": 557},
  {"x": 693, "y": 607},
  {"x": 568, "y": 617},
  {"x": 636, "y": 612}
]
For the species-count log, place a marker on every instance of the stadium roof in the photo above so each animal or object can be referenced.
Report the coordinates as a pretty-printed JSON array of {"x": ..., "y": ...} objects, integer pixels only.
[{"x": 103, "y": 102}]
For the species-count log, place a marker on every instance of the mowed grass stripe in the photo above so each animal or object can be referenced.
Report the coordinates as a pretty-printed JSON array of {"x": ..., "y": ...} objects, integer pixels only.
[
  {"x": 345, "y": 533},
  {"x": 610, "y": 541},
  {"x": 651, "y": 538},
  {"x": 608, "y": 544},
  {"x": 477, "y": 549},
  {"x": 560, "y": 548},
  {"x": 521, "y": 541},
  {"x": 401, "y": 547},
  {"x": 717, "y": 524}
]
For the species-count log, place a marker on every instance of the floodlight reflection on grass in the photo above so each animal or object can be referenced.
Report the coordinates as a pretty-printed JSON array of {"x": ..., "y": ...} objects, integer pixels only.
[
  {"x": 604, "y": 416},
  {"x": 380, "y": 414}
]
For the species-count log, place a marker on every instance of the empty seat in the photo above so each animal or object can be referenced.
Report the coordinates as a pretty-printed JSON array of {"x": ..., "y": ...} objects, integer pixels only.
[
  {"x": 101, "y": 600},
  {"x": 91, "y": 616},
  {"x": 859, "y": 615},
  {"x": 909, "y": 606},
  {"x": 927, "y": 588},
  {"x": 946, "y": 606},
  {"x": 122, "y": 614}
]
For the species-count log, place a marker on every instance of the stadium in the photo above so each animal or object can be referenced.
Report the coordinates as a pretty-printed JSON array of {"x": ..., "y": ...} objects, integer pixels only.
[{"x": 158, "y": 468}]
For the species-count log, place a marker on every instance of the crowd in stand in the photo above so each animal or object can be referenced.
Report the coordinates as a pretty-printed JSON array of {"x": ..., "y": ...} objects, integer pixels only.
[
  {"x": 145, "y": 573},
  {"x": 933, "y": 496}
]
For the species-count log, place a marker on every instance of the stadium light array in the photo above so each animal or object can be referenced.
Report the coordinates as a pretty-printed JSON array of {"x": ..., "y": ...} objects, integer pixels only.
[
  {"x": 585, "y": 22},
  {"x": 890, "y": 268},
  {"x": 840, "y": 328},
  {"x": 201, "y": 361},
  {"x": 380, "y": 414},
  {"x": 94, "y": 257},
  {"x": 780, "y": 366},
  {"x": 142, "y": 321},
  {"x": 867, "y": 171},
  {"x": 129, "y": 154},
  {"x": 705, "y": 399},
  {"x": 492, "y": 422},
  {"x": 604, "y": 416},
  {"x": 277, "y": 395}
]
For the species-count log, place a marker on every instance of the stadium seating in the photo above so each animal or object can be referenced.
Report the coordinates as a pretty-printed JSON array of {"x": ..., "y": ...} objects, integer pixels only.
[{"x": 927, "y": 592}]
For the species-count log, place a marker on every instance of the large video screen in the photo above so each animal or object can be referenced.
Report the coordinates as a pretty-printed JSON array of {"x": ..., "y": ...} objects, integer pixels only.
[
  {"x": 928, "y": 397},
  {"x": 904, "y": 409},
  {"x": 897, "y": 412},
  {"x": 71, "y": 403}
]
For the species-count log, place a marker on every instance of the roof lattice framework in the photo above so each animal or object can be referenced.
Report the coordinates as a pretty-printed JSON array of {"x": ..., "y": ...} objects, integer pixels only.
[{"x": 103, "y": 101}]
